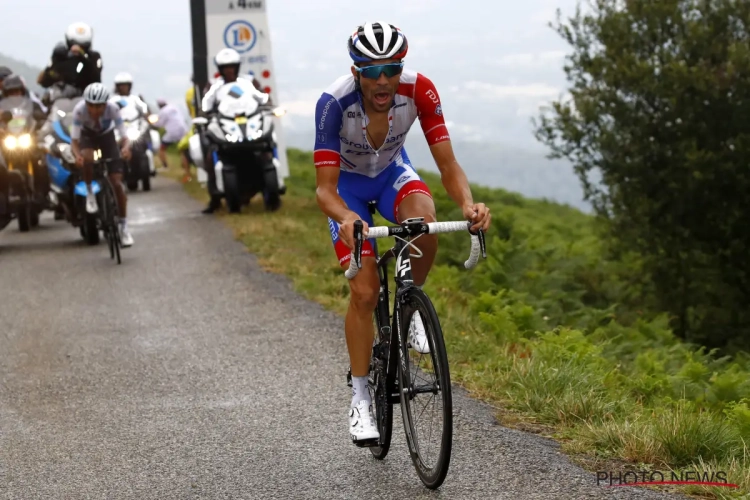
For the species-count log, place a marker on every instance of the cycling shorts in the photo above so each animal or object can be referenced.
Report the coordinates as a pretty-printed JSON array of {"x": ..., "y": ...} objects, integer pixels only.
[
  {"x": 108, "y": 146},
  {"x": 388, "y": 189}
]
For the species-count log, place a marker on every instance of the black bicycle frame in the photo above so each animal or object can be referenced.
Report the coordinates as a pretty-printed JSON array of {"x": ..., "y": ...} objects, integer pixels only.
[{"x": 404, "y": 282}]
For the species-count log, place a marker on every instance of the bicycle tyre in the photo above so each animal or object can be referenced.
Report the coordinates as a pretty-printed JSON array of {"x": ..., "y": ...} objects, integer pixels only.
[
  {"x": 417, "y": 300},
  {"x": 104, "y": 209},
  {"x": 115, "y": 220},
  {"x": 381, "y": 398}
]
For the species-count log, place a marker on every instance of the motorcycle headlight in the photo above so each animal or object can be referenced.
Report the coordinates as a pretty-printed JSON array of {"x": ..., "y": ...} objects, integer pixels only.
[
  {"x": 153, "y": 119},
  {"x": 133, "y": 133},
  {"x": 24, "y": 141},
  {"x": 10, "y": 142},
  {"x": 279, "y": 112}
]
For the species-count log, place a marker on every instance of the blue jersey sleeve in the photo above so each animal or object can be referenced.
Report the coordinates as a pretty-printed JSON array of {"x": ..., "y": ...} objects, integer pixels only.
[{"x": 328, "y": 119}]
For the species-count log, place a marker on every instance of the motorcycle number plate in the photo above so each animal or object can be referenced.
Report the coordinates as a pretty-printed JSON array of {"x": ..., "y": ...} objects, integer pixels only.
[{"x": 240, "y": 119}]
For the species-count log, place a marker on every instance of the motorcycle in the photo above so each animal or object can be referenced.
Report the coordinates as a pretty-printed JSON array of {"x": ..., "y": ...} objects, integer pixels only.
[
  {"x": 27, "y": 183},
  {"x": 241, "y": 142},
  {"x": 138, "y": 129},
  {"x": 68, "y": 190}
]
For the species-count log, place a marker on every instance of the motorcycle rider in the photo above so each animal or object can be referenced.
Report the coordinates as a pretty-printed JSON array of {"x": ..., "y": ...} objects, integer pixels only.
[
  {"x": 123, "y": 86},
  {"x": 95, "y": 119},
  {"x": 74, "y": 63},
  {"x": 14, "y": 85},
  {"x": 228, "y": 65}
]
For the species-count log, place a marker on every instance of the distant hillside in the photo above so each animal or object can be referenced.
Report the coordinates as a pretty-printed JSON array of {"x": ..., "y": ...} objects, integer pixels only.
[
  {"x": 525, "y": 171},
  {"x": 29, "y": 73}
]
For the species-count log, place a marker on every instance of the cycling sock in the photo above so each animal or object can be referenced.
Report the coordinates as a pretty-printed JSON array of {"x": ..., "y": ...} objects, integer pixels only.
[{"x": 359, "y": 390}]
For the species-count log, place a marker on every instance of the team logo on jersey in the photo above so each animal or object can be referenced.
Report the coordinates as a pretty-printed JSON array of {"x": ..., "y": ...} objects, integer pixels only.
[
  {"x": 240, "y": 35},
  {"x": 439, "y": 110}
]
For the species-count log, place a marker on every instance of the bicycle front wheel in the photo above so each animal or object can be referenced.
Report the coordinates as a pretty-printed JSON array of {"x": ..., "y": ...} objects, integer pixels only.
[
  {"x": 425, "y": 392},
  {"x": 113, "y": 221}
]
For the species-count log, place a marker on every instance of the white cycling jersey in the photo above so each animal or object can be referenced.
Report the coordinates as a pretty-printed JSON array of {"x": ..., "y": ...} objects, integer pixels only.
[
  {"x": 220, "y": 89},
  {"x": 340, "y": 120}
]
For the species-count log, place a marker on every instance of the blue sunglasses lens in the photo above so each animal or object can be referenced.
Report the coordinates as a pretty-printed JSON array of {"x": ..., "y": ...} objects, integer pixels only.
[{"x": 374, "y": 72}]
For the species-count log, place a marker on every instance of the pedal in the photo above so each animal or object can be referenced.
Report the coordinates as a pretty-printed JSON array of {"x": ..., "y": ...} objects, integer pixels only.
[{"x": 365, "y": 443}]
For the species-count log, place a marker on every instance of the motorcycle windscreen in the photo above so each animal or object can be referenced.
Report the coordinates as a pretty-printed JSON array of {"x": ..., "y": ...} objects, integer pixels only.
[{"x": 21, "y": 109}]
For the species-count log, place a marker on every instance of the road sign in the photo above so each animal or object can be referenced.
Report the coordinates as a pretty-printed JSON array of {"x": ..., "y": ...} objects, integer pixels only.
[{"x": 241, "y": 25}]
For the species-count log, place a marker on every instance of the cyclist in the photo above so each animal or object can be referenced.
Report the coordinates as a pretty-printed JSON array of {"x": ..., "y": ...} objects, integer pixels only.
[
  {"x": 94, "y": 122},
  {"x": 361, "y": 124}
]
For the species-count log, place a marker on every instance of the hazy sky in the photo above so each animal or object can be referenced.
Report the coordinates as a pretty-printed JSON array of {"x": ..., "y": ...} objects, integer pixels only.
[{"x": 493, "y": 62}]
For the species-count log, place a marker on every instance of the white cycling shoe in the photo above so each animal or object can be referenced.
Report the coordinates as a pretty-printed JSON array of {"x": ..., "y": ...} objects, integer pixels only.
[
  {"x": 362, "y": 425},
  {"x": 417, "y": 335},
  {"x": 125, "y": 237},
  {"x": 91, "y": 206}
]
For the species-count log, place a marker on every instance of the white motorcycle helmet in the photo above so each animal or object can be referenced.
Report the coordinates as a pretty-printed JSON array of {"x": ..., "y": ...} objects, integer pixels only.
[
  {"x": 79, "y": 34},
  {"x": 227, "y": 57},
  {"x": 123, "y": 78}
]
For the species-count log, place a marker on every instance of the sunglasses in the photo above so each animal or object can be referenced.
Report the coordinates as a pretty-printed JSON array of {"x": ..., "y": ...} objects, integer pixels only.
[{"x": 390, "y": 69}]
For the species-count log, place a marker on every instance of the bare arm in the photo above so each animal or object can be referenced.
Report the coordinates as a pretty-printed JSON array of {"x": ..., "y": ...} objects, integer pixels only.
[
  {"x": 452, "y": 175},
  {"x": 327, "y": 196}
]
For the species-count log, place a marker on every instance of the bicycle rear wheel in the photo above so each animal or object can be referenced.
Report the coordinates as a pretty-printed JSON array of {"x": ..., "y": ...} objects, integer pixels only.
[{"x": 425, "y": 392}]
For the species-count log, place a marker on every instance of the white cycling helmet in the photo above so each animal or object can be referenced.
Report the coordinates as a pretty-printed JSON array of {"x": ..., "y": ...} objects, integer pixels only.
[
  {"x": 79, "y": 34},
  {"x": 376, "y": 41},
  {"x": 123, "y": 77},
  {"x": 96, "y": 93},
  {"x": 227, "y": 57}
]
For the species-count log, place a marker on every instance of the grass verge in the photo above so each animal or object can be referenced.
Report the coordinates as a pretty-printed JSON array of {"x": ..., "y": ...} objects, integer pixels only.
[{"x": 545, "y": 330}]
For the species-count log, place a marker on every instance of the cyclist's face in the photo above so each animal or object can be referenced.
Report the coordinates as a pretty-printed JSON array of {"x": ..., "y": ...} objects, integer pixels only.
[
  {"x": 378, "y": 90},
  {"x": 123, "y": 88},
  {"x": 14, "y": 92},
  {"x": 95, "y": 110}
]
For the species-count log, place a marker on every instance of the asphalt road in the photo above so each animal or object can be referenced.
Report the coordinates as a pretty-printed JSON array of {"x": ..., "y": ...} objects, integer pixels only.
[{"x": 188, "y": 372}]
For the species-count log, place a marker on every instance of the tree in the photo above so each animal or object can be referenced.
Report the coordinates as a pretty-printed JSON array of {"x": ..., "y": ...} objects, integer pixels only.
[{"x": 659, "y": 108}]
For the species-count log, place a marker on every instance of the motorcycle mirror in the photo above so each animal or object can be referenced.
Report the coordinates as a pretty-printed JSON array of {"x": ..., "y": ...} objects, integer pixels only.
[
  {"x": 6, "y": 116},
  {"x": 200, "y": 120}
]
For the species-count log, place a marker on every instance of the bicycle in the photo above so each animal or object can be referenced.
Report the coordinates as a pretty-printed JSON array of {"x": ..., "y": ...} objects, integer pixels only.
[
  {"x": 109, "y": 218},
  {"x": 390, "y": 365}
]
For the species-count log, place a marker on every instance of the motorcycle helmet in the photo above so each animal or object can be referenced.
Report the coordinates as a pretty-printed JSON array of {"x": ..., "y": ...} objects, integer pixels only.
[
  {"x": 5, "y": 72},
  {"x": 123, "y": 79},
  {"x": 228, "y": 57},
  {"x": 60, "y": 52},
  {"x": 79, "y": 34},
  {"x": 12, "y": 84}
]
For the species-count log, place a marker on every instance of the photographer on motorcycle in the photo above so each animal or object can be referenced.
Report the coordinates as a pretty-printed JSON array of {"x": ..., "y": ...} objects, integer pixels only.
[
  {"x": 74, "y": 62},
  {"x": 228, "y": 64},
  {"x": 95, "y": 119}
]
